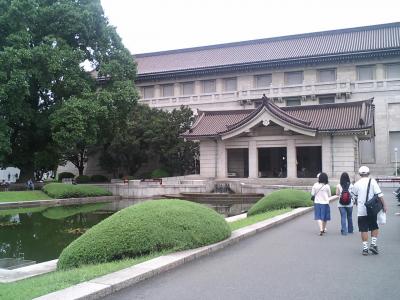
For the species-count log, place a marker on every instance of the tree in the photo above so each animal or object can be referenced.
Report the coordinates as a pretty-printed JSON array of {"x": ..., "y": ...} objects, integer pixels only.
[
  {"x": 76, "y": 129},
  {"x": 4, "y": 140},
  {"x": 151, "y": 135},
  {"x": 43, "y": 45}
]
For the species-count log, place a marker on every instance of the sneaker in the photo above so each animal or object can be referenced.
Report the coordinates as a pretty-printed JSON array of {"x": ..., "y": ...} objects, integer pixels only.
[
  {"x": 374, "y": 249},
  {"x": 365, "y": 252}
]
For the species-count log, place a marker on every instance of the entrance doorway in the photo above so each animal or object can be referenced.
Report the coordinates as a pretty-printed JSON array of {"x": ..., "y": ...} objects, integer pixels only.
[
  {"x": 238, "y": 162},
  {"x": 272, "y": 162},
  {"x": 309, "y": 161}
]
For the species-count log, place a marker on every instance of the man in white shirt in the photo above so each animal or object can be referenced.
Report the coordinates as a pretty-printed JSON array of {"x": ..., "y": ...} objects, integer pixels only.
[{"x": 367, "y": 222}]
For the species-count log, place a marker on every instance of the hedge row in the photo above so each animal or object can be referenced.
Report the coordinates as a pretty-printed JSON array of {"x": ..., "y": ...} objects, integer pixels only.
[
  {"x": 83, "y": 178},
  {"x": 62, "y": 191},
  {"x": 144, "y": 228}
]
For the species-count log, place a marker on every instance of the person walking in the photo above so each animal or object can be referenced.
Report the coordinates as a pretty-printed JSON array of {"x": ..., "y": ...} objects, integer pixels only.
[
  {"x": 321, "y": 192},
  {"x": 345, "y": 203},
  {"x": 364, "y": 189}
]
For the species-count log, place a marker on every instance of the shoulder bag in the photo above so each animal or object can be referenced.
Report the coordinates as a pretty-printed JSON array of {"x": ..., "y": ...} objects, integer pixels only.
[
  {"x": 313, "y": 196},
  {"x": 373, "y": 205}
]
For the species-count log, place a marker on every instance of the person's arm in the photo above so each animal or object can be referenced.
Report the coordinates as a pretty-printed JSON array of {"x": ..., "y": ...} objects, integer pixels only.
[
  {"x": 377, "y": 191},
  {"x": 313, "y": 190},
  {"x": 384, "y": 204},
  {"x": 338, "y": 190}
]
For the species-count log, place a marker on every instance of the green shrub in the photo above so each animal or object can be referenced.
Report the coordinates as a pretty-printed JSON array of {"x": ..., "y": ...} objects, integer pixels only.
[
  {"x": 62, "y": 191},
  {"x": 82, "y": 179},
  {"x": 281, "y": 199},
  {"x": 63, "y": 175},
  {"x": 333, "y": 190},
  {"x": 159, "y": 173},
  {"x": 99, "y": 178},
  {"x": 144, "y": 228}
]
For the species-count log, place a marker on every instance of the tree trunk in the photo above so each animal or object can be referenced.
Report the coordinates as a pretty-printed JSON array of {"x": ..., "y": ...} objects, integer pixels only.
[
  {"x": 81, "y": 162},
  {"x": 27, "y": 172}
]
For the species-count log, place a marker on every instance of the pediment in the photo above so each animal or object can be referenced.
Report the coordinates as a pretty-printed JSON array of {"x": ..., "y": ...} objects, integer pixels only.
[{"x": 266, "y": 118}]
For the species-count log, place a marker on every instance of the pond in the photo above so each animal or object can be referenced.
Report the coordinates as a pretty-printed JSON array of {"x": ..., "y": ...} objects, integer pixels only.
[{"x": 41, "y": 233}]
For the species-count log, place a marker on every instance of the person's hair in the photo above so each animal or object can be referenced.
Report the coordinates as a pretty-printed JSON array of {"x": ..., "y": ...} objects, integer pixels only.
[
  {"x": 344, "y": 179},
  {"x": 323, "y": 178}
]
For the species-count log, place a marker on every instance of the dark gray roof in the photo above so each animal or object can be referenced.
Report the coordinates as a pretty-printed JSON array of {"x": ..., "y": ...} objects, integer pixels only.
[
  {"x": 326, "y": 44},
  {"x": 325, "y": 118}
]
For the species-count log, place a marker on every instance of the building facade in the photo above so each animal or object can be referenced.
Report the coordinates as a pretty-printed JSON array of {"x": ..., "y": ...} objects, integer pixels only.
[{"x": 323, "y": 68}]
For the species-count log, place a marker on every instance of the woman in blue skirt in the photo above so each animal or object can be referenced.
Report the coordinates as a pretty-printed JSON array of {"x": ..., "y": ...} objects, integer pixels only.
[{"x": 321, "y": 192}]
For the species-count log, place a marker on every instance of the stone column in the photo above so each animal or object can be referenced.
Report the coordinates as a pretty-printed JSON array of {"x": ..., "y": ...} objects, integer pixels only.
[
  {"x": 327, "y": 163},
  {"x": 253, "y": 159},
  {"x": 221, "y": 160},
  {"x": 291, "y": 159}
]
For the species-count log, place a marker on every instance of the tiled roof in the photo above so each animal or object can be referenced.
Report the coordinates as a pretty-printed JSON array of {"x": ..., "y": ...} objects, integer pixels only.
[
  {"x": 325, "y": 44},
  {"x": 339, "y": 117}
]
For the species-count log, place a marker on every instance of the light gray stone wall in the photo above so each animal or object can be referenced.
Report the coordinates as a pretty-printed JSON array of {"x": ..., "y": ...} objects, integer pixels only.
[
  {"x": 386, "y": 93},
  {"x": 344, "y": 156},
  {"x": 208, "y": 158}
]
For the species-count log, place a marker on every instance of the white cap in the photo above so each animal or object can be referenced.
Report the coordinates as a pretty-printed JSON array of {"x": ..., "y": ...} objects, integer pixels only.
[
  {"x": 318, "y": 175},
  {"x": 363, "y": 170}
]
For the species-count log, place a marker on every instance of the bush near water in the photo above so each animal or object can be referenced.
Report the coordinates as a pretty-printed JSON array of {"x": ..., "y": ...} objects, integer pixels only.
[
  {"x": 281, "y": 199},
  {"x": 144, "y": 228},
  {"x": 62, "y": 191}
]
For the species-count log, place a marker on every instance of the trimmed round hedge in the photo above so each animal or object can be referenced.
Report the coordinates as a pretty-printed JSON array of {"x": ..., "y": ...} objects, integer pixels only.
[
  {"x": 281, "y": 199},
  {"x": 145, "y": 228}
]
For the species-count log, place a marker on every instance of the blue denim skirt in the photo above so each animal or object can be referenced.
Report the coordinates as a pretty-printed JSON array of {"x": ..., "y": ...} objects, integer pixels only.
[{"x": 322, "y": 212}]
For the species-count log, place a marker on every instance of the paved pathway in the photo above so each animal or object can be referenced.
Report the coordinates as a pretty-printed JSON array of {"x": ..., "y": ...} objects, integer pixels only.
[{"x": 290, "y": 261}]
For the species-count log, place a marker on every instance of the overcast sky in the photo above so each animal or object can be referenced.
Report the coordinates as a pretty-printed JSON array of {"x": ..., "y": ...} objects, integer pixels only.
[{"x": 156, "y": 25}]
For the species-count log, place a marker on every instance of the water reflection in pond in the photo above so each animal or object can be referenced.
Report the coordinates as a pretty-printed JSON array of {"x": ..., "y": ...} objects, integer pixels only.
[{"x": 41, "y": 233}]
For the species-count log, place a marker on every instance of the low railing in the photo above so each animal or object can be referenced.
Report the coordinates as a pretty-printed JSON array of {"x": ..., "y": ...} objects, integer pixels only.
[
  {"x": 308, "y": 91},
  {"x": 388, "y": 179}
]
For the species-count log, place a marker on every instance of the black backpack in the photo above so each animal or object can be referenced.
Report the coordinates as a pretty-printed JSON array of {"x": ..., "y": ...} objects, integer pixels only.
[{"x": 345, "y": 196}]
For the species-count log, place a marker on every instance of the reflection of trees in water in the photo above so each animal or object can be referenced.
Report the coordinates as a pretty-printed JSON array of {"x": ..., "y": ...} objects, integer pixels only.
[{"x": 40, "y": 238}]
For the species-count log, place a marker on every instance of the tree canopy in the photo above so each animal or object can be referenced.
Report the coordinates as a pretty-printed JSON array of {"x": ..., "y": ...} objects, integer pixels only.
[
  {"x": 151, "y": 137},
  {"x": 44, "y": 46}
]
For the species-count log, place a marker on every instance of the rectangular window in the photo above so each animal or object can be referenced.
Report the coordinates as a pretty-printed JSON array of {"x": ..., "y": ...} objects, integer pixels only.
[
  {"x": 293, "y": 78},
  {"x": 148, "y": 92},
  {"x": 394, "y": 143},
  {"x": 264, "y": 80},
  {"x": 326, "y": 99},
  {"x": 392, "y": 71},
  {"x": 188, "y": 88},
  {"x": 230, "y": 84},
  {"x": 209, "y": 86},
  {"x": 293, "y": 101},
  {"x": 366, "y": 72},
  {"x": 326, "y": 75},
  {"x": 167, "y": 90},
  {"x": 272, "y": 162},
  {"x": 309, "y": 161}
]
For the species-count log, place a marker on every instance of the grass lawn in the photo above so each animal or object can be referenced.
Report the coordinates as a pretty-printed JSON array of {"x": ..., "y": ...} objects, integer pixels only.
[
  {"x": 54, "y": 281},
  {"x": 22, "y": 196},
  {"x": 40, "y": 285},
  {"x": 258, "y": 218}
]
